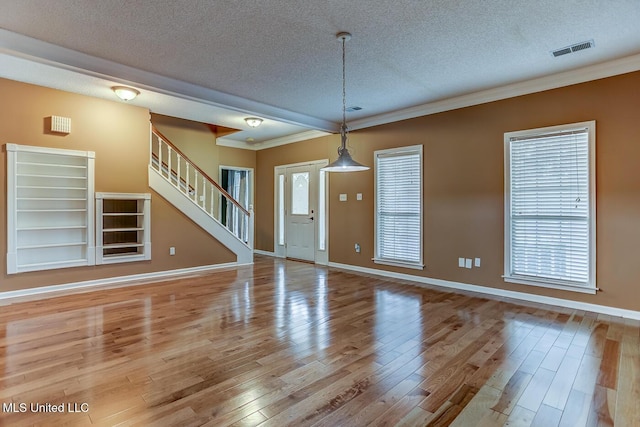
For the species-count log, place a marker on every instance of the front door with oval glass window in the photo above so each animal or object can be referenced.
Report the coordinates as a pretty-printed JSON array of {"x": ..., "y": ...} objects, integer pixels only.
[{"x": 300, "y": 217}]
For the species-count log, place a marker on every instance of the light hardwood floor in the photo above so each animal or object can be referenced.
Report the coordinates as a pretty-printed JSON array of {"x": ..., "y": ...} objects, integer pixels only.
[{"x": 288, "y": 343}]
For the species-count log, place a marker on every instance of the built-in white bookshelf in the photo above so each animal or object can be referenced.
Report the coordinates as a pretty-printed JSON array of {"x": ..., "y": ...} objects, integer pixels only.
[
  {"x": 49, "y": 208},
  {"x": 123, "y": 227}
]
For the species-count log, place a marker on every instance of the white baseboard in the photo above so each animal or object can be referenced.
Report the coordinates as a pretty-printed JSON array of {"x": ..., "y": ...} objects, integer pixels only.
[
  {"x": 612, "y": 311},
  {"x": 110, "y": 282},
  {"x": 266, "y": 253}
]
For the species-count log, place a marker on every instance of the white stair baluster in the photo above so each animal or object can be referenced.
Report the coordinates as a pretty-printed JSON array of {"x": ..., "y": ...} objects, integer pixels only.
[
  {"x": 204, "y": 194},
  {"x": 160, "y": 156},
  {"x": 179, "y": 160},
  {"x": 169, "y": 173},
  {"x": 195, "y": 185},
  {"x": 211, "y": 203},
  {"x": 186, "y": 188}
]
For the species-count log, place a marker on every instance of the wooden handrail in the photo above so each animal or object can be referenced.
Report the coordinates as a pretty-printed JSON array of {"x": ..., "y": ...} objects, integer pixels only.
[
  {"x": 173, "y": 172},
  {"x": 215, "y": 184}
]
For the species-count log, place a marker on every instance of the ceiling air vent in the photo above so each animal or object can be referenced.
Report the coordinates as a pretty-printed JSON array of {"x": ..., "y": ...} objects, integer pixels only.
[
  {"x": 573, "y": 48},
  {"x": 353, "y": 108},
  {"x": 582, "y": 46}
]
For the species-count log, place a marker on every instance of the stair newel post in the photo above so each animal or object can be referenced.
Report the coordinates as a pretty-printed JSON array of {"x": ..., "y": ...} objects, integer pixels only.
[{"x": 251, "y": 225}]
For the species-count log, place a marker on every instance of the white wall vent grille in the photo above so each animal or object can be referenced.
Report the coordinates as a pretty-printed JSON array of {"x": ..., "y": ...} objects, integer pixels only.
[{"x": 60, "y": 124}]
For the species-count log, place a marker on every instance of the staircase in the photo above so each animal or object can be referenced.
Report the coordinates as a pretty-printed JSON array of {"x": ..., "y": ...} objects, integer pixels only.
[{"x": 195, "y": 194}]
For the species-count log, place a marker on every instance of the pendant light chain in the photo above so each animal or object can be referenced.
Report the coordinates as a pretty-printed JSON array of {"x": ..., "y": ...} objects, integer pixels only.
[
  {"x": 344, "y": 86},
  {"x": 344, "y": 162}
]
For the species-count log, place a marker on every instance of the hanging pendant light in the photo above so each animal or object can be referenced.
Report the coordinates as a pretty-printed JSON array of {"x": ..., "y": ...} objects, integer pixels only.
[{"x": 344, "y": 163}]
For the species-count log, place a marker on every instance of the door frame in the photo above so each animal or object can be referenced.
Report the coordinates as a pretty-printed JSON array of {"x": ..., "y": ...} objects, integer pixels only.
[
  {"x": 250, "y": 182},
  {"x": 321, "y": 225},
  {"x": 250, "y": 187}
]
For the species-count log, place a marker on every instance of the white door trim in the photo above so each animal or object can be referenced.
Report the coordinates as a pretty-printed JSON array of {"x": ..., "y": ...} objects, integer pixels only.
[{"x": 321, "y": 256}]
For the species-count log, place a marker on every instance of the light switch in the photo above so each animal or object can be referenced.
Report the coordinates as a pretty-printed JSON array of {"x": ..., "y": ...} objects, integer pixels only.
[
  {"x": 461, "y": 262},
  {"x": 468, "y": 263},
  {"x": 343, "y": 197},
  {"x": 477, "y": 262}
]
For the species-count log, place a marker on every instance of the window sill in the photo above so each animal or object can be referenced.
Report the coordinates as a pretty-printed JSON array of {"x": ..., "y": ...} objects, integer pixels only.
[
  {"x": 415, "y": 266},
  {"x": 524, "y": 281}
]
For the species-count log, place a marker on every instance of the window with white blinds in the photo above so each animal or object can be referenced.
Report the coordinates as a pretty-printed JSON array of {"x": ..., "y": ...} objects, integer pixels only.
[
  {"x": 398, "y": 215},
  {"x": 550, "y": 206}
]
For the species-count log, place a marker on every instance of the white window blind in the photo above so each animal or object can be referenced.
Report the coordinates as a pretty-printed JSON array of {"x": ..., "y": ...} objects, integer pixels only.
[
  {"x": 399, "y": 206},
  {"x": 550, "y": 207}
]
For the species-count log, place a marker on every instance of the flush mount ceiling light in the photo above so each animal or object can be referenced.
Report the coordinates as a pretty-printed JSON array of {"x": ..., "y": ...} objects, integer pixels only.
[
  {"x": 125, "y": 93},
  {"x": 344, "y": 163},
  {"x": 254, "y": 122}
]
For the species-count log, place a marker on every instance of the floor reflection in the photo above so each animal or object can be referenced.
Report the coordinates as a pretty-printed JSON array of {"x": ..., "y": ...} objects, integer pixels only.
[
  {"x": 301, "y": 311},
  {"x": 291, "y": 343}
]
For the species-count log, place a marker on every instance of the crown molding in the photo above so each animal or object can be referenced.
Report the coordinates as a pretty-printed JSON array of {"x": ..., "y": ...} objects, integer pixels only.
[
  {"x": 70, "y": 60},
  {"x": 43, "y": 53},
  {"x": 270, "y": 143},
  {"x": 554, "y": 81}
]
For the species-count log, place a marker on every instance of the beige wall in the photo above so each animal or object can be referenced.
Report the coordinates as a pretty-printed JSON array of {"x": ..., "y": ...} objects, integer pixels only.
[
  {"x": 267, "y": 160},
  {"x": 463, "y": 186},
  {"x": 198, "y": 142},
  {"x": 463, "y": 189},
  {"x": 119, "y": 134}
]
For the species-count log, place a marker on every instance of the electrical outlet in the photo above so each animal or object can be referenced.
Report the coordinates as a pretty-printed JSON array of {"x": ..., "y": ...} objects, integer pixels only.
[{"x": 477, "y": 262}]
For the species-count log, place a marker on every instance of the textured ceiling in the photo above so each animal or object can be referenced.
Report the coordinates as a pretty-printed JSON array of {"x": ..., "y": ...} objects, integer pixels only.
[{"x": 283, "y": 53}]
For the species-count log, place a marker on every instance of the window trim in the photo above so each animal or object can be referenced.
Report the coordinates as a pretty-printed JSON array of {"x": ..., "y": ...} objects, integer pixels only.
[
  {"x": 413, "y": 149},
  {"x": 590, "y": 286}
]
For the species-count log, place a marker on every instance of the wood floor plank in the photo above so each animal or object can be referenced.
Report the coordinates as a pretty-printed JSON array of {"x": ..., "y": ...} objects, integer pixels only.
[
  {"x": 511, "y": 392},
  {"x": 546, "y": 416},
  {"x": 478, "y": 408},
  {"x": 627, "y": 409},
  {"x": 576, "y": 412},
  {"x": 562, "y": 383},
  {"x": 608, "y": 374},
  {"x": 602, "y": 411},
  {"x": 537, "y": 388},
  {"x": 283, "y": 343},
  {"x": 520, "y": 417}
]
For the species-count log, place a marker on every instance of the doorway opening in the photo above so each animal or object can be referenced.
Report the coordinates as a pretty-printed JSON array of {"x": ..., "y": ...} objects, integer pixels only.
[{"x": 238, "y": 182}]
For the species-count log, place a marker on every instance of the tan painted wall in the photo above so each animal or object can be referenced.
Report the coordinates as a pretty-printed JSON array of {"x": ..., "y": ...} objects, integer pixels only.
[
  {"x": 463, "y": 186},
  {"x": 198, "y": 142},
  {"x": 119, "y": 134},
  {"x": 267, "y": 160}
]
